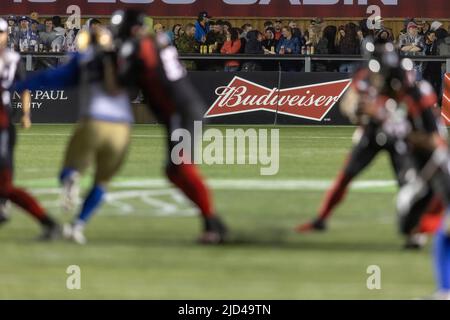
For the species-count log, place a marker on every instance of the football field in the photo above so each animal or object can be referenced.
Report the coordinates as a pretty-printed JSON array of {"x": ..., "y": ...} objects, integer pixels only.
[{"x": 141, "y": 244}]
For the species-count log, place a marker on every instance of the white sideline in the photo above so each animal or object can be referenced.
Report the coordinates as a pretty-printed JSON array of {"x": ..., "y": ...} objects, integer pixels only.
[{"x": 238, "y": 184}]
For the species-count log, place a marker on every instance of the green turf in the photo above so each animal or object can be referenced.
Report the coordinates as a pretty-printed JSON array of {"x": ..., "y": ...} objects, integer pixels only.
[{"x": 142, "y": 255}]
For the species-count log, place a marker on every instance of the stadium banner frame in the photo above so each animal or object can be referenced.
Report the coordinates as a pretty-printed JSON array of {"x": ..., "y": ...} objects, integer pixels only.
[
  {"x": 265, "y": 100},
  {"x": 235, "y": 8}
]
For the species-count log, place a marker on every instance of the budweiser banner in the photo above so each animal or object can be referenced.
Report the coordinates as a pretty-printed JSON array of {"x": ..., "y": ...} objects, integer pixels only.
[
  {"x": 257, "y": 98},
  {"x": 241, "y": 8}
]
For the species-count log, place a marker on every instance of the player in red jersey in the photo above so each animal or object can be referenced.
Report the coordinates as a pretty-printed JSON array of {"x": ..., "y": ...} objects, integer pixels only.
[
  {"x": 361, "y": 103},
  {"x": 151, "y": 64},
  {"x": 10, "y": 70}
]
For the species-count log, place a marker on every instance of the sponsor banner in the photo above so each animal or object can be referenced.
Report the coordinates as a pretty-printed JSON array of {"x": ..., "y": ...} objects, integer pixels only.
[
  {"x": 257, "y": 98},
  {"x": 50, "y": 106},
  {"x": 241, "y": 8},
  {"x": 446, "y": 100}
]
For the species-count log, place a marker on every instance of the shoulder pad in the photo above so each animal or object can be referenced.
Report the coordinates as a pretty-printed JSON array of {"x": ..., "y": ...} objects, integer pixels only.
[
  {"x": 427, "y": 96},
  {"x": 425, "y": 87},
  {"x": 127, "y": 50},
  {"x": 11, "y": 56},
  {"x": 162, "y": 40}
]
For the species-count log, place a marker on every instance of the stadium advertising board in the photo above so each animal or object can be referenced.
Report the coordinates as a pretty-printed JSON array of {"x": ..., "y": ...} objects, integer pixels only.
[
  {"x": 50, "y": 106},
  {"x": 240, "y": 98},
  {"x": 446, "y": 100},
  {"x": 263, "y": 97},
  {"x": 238, "y": 8}
]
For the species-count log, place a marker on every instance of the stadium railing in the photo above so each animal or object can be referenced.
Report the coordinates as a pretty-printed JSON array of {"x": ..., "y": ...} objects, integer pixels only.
[{"x": 307, "y": 59}]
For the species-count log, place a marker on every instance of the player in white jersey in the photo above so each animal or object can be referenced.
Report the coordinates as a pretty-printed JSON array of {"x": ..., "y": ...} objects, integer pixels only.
[
  {"x": 103, "y": 132},
  {"x": 11, "y": 71}
]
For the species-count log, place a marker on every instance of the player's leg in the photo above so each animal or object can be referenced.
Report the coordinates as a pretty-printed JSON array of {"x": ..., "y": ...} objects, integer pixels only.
[
  {"x": 4, "y": 215},
  {"x": 442, "y": 258},
  {"x": 78, "y": 155},
  {"x": 187, "y": 178},
  {"x": 360, "y": 157},
  {"x": 19, "y": 196},
  {"x": 113, "y": 142}
]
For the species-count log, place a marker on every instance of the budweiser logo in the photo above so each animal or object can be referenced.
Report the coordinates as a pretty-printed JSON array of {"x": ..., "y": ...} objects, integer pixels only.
[{"x": 309, "y": 102}]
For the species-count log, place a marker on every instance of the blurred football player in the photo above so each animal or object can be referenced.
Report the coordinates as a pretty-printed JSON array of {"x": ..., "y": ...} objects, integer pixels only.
[
  {"x": 102, "y": 135},
  {"x": 364, "y": 105},
  {"x": 152, "y": 65},
  {"x": 10, "y": 71}
]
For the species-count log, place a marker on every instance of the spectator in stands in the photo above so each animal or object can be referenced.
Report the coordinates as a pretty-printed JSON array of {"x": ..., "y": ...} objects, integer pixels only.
[
  {"x": 186, "y": 44},
  {"x": 24, "y": 34},
  {"x": 412, "y": 44},
  {"x": 12, "y": 24},
  {"x": 35, "y": 16},
  {"x": 48, "y": 35},
  {"x": 288, "y": 45},
  {"x": 349, "y": 45},
  {"x": 58, "y": 27},
  {"x": 202, "y": 27},
  {"x": 383, "y": 36},
  {"x": 253, "y": 46},
  {"x": 158, "y": 28},
  {"x": 278, "y": 29},
  {"x": 12, "y": 32},
  {"x": 441, "y": 33},
  {"x": 318, "y": 45},
  {"x": 316, "y": 40},
  {"x": 268, "y": 24},
  {"x": 431, "y": 69},
  {"x": 269, "y": 46},
  {"x": 174, "y": 34},
  {"x": 34, "y": 36},
  {"x": 297, "y": 33},
  {"x": 246, "y": 28},
  {"x": 329, "y": 33},
  {"x": 269, "y": 43},
  {"x": 424, "y": 27},
  {"x": 215, "y": 37},
  {"x": 232, "y": 45},
  {"x": 70, "y": 37},
  {"x": 226, "y": 27}
]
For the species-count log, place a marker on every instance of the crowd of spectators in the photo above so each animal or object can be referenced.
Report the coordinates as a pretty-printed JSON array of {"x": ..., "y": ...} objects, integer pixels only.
[{"x": 31, "y": 34}]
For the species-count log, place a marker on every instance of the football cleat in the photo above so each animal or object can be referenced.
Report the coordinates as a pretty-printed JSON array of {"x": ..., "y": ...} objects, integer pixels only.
[
  {"x": 74, "y": 233},
  {"x": 313, "y": 226},
  {"x": 50, "y": 232},
  {"x": 4, "y": 216},
  {"x": 215, "y": 231},
  {"x": 70, "y": 192},
  {"x": 416, "y": 241}
]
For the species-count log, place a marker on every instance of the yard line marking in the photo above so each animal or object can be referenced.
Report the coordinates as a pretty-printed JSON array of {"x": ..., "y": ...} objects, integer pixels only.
[
  {"x": 164, "y": 136},
  {"x": 259, "y": 184},
  {"x": 223, "y": 184}
]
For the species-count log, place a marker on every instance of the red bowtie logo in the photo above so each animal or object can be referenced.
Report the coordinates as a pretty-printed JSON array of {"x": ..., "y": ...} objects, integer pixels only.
[{"x": 309, "y": 102}]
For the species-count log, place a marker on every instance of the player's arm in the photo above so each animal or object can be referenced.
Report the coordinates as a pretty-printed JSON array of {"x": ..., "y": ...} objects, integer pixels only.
[
  {"x": 430, "y": 138},
  {"x": 26, "y": 108},
  {"x": 61, "y": 77}
]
